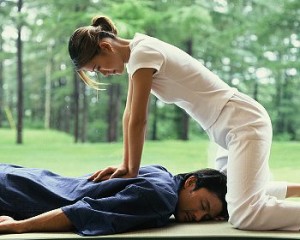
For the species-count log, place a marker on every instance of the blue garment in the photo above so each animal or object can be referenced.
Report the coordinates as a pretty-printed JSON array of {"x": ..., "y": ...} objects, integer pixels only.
[{"x": 107, "y": 207}]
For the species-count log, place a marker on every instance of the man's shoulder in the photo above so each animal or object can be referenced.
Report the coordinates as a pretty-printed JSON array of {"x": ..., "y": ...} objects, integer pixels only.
[
  {"x": 158, "y": 177},
  {"x": 154, "y": 169}
]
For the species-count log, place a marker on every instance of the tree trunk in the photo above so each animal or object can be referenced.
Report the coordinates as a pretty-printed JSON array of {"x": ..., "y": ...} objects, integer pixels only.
[
  {"x": 185, "y": 126},
  {"x": 182, "y": 124},
  {"x": 113, "y": 112},
  {"x": 287, "y": 102},
  {"x": 20, "y": 79},
  {"x": 84, "y": 114},
  {"x": 279, "y": 124},
  {"x": 255, "y": 92},
  {"x": 155, "y": 119},
  {"x": 76, "y": 107},
  {"x": 1, "y": 83},
  {"x": 47, "y": 95}
]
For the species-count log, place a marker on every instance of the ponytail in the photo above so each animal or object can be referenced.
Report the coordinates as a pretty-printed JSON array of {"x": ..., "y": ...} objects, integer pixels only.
[{"x": 105, "y": 23}]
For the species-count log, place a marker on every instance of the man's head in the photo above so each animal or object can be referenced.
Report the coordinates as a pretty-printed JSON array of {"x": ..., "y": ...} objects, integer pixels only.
[{"x": 201, "y": 196}]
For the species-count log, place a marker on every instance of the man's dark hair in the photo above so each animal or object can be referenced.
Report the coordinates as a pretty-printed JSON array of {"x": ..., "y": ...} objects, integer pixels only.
[{"x": 211, "y": 179}]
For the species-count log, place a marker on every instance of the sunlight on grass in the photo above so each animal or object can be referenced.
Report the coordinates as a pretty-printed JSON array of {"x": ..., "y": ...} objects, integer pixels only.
[{"x": 57, "y": 152}]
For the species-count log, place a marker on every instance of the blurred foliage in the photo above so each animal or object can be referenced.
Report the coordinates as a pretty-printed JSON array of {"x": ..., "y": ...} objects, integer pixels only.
[{"x": 252, "y": 45}]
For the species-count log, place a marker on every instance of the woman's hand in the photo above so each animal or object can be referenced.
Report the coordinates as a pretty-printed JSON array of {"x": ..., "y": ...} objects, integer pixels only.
[{"x": 112, "y": 172}]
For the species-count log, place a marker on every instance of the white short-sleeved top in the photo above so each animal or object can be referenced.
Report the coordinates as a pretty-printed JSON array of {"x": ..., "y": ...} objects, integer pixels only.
[{"x": 180, "y": 79}]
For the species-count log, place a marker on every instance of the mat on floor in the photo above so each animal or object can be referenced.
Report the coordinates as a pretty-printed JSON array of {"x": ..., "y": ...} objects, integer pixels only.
[{"x": 208, "y": 230}]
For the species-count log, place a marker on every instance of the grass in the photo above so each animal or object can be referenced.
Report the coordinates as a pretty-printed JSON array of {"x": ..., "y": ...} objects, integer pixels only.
[{"x": 57, "y": 152}]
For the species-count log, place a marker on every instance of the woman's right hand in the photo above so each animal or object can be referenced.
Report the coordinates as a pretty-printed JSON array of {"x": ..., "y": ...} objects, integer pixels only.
[{"x": 111, "y": 172}]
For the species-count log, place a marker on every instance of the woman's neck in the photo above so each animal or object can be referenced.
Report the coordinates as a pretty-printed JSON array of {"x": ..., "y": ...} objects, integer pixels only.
[{"x": 124, "y": 48}]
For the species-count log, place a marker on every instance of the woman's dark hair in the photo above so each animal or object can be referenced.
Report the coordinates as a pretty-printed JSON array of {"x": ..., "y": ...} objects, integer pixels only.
[
  {"x": 84, "y": 44},
  {"x": 211, "y": 179}
]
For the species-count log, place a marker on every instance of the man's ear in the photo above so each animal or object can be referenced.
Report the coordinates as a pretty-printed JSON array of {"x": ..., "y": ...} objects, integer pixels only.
[{"x": 190, "y": 182}]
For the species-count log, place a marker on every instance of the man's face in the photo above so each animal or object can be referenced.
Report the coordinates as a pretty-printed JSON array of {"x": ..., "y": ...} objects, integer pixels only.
[{"x": 195, "y": 206}]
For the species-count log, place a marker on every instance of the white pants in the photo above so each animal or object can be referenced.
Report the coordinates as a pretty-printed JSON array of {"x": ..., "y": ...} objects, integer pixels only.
[{"x": 244, "y": 129}]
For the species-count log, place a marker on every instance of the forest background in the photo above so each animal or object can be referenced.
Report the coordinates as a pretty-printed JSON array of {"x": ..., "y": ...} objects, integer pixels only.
[{"x": 253, "y": 45}]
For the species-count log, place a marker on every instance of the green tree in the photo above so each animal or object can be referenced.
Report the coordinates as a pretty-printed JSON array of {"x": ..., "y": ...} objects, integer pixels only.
[
  {"x": 252, "y": 45},
  {"x": 20, "y": 74}
]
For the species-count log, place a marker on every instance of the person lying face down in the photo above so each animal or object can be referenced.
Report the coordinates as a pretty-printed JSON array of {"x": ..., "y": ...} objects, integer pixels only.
[{"x": 34, "y": 200}]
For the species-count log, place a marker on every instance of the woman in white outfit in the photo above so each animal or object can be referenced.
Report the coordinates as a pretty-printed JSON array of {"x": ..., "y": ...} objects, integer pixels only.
[{"x": 231, "y": 119}]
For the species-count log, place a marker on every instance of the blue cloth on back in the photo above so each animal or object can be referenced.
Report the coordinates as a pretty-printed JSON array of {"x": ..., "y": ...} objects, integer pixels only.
[{"x": 107, "y": 207}]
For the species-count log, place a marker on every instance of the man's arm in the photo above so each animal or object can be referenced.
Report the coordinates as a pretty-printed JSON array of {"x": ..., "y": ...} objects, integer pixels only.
[{"x": 52, "y": 221}]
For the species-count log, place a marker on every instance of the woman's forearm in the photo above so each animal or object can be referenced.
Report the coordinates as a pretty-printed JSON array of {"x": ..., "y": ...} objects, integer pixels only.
[
  {"x": 136, "y": 139},
  {"x": 126, "y": 116}
]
